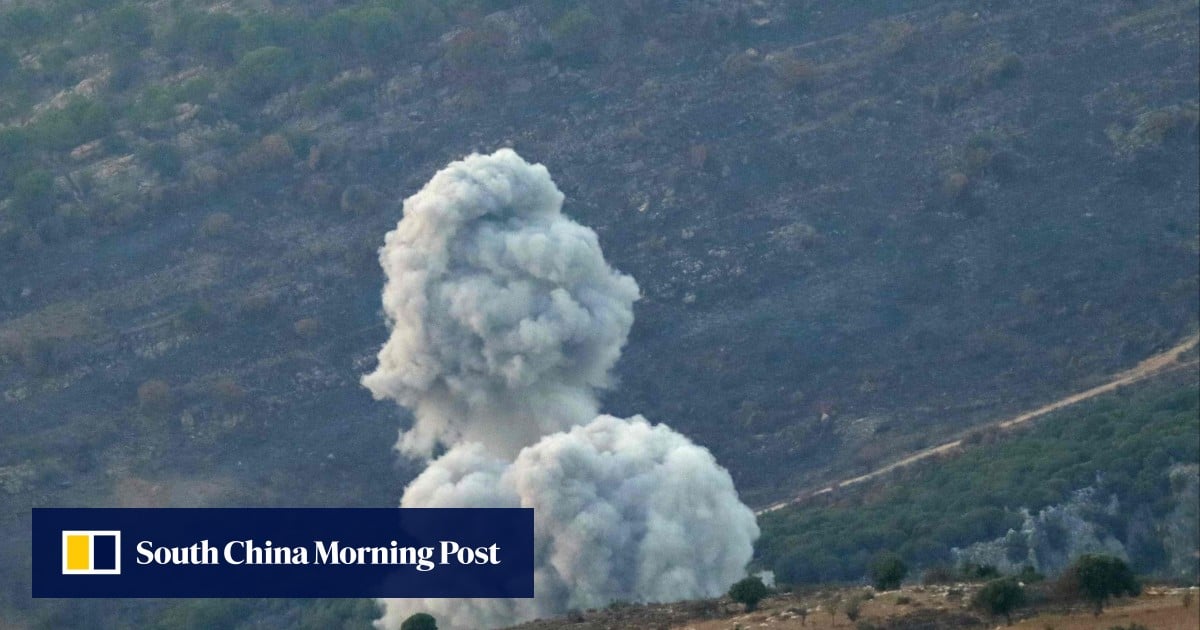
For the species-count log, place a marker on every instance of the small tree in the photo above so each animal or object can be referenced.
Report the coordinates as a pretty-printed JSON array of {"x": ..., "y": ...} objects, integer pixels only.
[
  {"x": 832, "y": 605},
  {"x": 1000, "y": 597},
  {"x": 1101, "y": 577},
  {"x": 852, "y": 608},
  {"x": 887, "y": 571},
  {"x": 262, "y": 72},
  {"x": 419, "y": 621},
  {"x": 748, "y": 592}
]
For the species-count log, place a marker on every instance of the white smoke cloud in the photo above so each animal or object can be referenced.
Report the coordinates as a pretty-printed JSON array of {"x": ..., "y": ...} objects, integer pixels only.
[
  {"x": 505, "y": 318},
  {"x": 505, "y": 321},
  {"x": 622, "y": 511}
]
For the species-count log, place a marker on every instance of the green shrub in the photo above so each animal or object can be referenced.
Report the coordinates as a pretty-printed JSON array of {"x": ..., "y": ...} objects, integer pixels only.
[
  {"x": 1099, "y": 578},
  {"x": 164, "y": 158},
  {"x": 1000, "y": 597},
  {"x": 887, "y": 571},
  {"x": 748, "y": 592},
  {"x": 370, "y": 32},
  {"x": 210, "y": 35},
  {"x": 576, "y": 34},
  {"x": 154, "y": 104},
  {"x": 938, "y": 574},
  {"x": 1152, "y": 128},
  {"x": 471, "y": 51},
  {"x": 273, "y": 151},
  {"x": 419, "y": 17},
  {"x": 419, "y": 621},
  {"x": 25, "y": 23},
  {"x": 337, "y": 91},
  {"x": 127, "y": 26},
  {"x": 972, "y": 571},
  {"x": 274, "y": 29},
  {"x": 33, "y": 193},
  {"x": 852, "y": 608},
  {"x": 81, "y": 120},
  {"x": 263, "y": 72},
  {"x": 157, "y": 103},
  {"x": 1029, "y": 576}
]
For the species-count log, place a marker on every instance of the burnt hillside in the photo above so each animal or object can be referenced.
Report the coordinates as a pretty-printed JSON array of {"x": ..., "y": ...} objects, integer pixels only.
[{"x": 855, "y": 229}]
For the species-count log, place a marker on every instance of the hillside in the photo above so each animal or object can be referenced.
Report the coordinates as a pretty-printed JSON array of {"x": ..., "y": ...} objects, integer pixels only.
[
  {"x": 1117, "y": 474},
  {"x": 857, "y": 229},
  {"x": 1152, "y": 367}
]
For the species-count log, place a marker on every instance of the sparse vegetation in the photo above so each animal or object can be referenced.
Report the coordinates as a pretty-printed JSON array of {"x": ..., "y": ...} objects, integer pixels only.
[{"x": 842, "y": 208}]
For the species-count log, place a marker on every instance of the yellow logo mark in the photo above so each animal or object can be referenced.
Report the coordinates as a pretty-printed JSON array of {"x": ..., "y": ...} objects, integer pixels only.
[
  {"x": 79, "y": 552},
  {"x": 91, "y": 552}
]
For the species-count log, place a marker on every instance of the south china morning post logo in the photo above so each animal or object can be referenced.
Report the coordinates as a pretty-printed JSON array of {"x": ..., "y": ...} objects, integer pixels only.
[
  {"x": 91, "y": 552},
  {"x": 283, "y": 552}
]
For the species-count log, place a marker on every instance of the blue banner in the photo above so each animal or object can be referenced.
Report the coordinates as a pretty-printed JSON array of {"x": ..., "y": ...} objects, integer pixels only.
[{"x": 282, "y": 552}]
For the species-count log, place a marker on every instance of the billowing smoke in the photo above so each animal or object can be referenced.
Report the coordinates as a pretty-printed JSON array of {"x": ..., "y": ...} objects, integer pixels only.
[
  {"x": 505, "y": 318},
  {"x": 623, "y": 511},
  {"x": 505, "y": 322}
]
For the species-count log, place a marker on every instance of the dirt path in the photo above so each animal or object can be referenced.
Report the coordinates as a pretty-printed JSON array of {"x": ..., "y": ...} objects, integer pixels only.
[{"x": 1160, "y": 363}]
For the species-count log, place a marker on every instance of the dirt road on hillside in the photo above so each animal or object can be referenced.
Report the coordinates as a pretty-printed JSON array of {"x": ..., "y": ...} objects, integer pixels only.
[{"x": 1158, "y": 364}]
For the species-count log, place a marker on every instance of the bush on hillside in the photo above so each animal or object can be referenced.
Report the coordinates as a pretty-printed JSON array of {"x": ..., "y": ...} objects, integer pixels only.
[{"x": 748, "y": 592}]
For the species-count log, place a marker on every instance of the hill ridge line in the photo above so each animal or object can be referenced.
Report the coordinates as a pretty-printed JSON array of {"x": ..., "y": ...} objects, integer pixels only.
[{"x": 1155, "y": 365}]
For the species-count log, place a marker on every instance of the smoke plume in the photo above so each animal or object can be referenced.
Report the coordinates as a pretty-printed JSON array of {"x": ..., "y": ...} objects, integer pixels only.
[
  {"x": 505, "y": 322},
  {"x": 622, "y": 511},
  {"x": 505, "y": 318}
]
